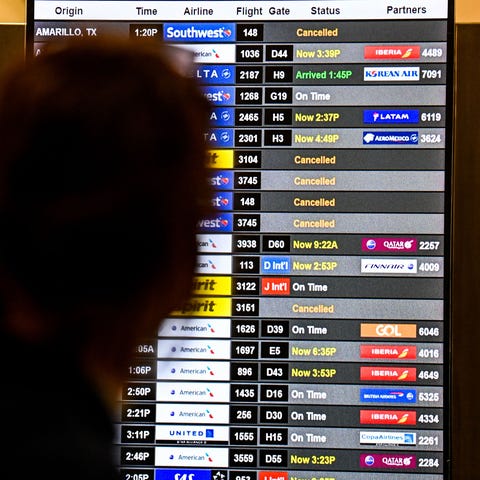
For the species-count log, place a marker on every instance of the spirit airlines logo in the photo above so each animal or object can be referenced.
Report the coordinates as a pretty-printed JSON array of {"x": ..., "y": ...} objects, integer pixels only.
[
  {"x": 208, "y": 32},
  {"x": 392, "y": 52}
]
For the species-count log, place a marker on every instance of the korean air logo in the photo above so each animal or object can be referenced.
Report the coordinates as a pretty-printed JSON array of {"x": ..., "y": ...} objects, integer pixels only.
[
  {"x": 391, "y": 74},
  {"x": 390, "y": 138},
  {"x": 220, "y": 96},
  {"x": 205, "y": 32},
  {"x": 390, "y": 116},
  {"x": 176, "y": 474}
]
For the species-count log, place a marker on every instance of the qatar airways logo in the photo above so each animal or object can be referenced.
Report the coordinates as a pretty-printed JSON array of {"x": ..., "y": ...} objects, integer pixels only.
[
  {"x": 380, "y": 244},
  {"x": 388, "y": 461}
]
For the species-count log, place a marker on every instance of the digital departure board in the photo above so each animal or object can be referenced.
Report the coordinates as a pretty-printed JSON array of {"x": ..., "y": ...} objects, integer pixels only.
[{"x": 316, "y": 344}]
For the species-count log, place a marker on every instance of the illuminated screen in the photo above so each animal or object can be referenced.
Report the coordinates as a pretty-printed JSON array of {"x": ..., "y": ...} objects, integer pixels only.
[{"x": 316, "y": 345}]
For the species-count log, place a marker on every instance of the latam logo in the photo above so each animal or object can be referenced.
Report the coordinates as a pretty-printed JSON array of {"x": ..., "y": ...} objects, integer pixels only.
[
  {"x": 387, "y": 395},
  {"x": 218, "y": 223},
  {"x": 222, "y": 117},
  {"x": 208, "y": 32},
  {"x": 387, "y": 265},
  {"x": 389, "y": 244},
  {"x": 215, "y": 74},
  {"x": 176, "y": 474},
  {"x": 390, "y": 138},
  {"x": 389, "y": 352},
  {"x": 393, "y": 374},
  {"x": 392, "y": 52},
  {"x": 388, "y": 461},
  {"x": 388, "y": 417},
  {"x": 391, "y": 74},
  {"x": 219, "y": 96},
  {"x": 391, "y": 116}
]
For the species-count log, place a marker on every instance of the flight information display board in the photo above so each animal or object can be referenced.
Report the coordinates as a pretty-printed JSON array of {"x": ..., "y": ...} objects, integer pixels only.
[{"x": 316, "y": 344}]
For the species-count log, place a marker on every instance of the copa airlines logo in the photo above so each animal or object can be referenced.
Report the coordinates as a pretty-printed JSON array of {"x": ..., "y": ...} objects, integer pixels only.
[
  {"x": 392, "y": 52},
  {"x": 390, "y": 138},
  {"x": 388, "y": 395},
  {"x": 389, "y": 244},
  {"x": 219, "y": 96},
  {"x": 388, "y": 461},
  {"x": 371, "y": 437},
  {"x": 176, "y": 474},
  {"x": 208, "y": 32},
  {"x": 215, "y": 74},
  {"x": 391, "y": 116},
  {"x": 391, "y": 74}
]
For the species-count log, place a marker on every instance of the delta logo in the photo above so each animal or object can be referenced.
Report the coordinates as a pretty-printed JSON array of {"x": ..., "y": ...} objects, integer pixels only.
[
  {"x": 391, "y": 74},
  {"x": 391, "y": 52},
  {"x": 383, "y": 374},
  {"x": 390, "y": 138},
  {"x": 222, "y": 117},
  {"x": 388, "y": 417},
  {"x": 391, "y": 116},
  {"x": 219, "y": 96},
  {"x": 215, "y": 74},
  {"x": 208, "y": 32},
  {"x": 388, "y": 461},
  {"x": 219, "y": 137},
  {"x": 380, "y": 244},
  {"x": 389, "y": 352}
]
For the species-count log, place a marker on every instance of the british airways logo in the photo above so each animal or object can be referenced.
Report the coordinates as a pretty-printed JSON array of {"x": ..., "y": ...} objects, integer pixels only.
[
  {"x": 387, "y": 395},
  {"x": 208, "y": 32}
]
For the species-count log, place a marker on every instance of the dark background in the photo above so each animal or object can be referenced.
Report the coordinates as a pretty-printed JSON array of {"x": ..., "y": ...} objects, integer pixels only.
[{"x": 465, "y": 334}]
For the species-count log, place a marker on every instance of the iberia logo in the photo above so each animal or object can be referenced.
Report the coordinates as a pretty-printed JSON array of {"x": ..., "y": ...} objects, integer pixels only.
[
  {"x": 385, "y": 374},
  {"x": 392, "y": 52},
  {"x": 388, "y": 417}
]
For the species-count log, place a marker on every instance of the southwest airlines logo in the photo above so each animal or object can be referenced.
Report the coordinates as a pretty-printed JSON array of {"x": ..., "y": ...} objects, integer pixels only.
[
  {"x": 223, "y": 201},
  {"x": 175, "y": 474},
  {"x": 390, "y": 138},
  {"x": 388, "y": 395},
  {"x": 219, "y": 223},
  {"x": 390, "y": 116},
  {"x": 220, "y": 96},
  {"x": 213, "y": 32},
  {"x": 391, "y": 74},
  {"x": 222, "y": 180}
]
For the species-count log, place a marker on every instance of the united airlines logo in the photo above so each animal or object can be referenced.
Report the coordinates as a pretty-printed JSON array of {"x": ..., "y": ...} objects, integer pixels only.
[
  {"x": 390, "y": 116},
  {"x": 208, "y": 32},
  {"x": 390, "y": 138},
  {"x": 388, "y": 395},
  {"x": 391, "y": 74},
  {"x": 220, "y": 95}
]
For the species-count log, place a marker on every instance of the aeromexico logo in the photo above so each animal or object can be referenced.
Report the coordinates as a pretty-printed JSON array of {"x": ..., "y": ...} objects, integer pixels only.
[{"x": 206, "y": 32}]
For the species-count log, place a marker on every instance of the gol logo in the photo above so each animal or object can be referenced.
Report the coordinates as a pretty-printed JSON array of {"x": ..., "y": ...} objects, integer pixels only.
[{"x": 388, "y": 330}]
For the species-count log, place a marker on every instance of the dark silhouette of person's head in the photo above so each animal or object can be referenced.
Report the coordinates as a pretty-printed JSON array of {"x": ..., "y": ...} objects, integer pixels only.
[{"x": 102, "y": 183}]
